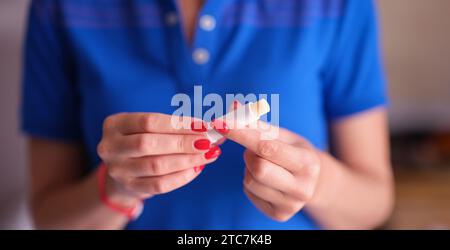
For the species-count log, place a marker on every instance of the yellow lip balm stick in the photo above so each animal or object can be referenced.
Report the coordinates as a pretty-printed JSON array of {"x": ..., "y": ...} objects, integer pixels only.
[{"x": 240, "y": 118}]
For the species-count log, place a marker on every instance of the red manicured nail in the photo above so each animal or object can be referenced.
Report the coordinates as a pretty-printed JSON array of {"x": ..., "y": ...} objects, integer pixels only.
[
  {"x": 235, "y": 104},
  {"x": 198, "y": 126},
  {"x": 199, "y": 168},
  {"x": 213, "y": 153},
  {"x": 220, "y": 126},
  {"x": 202, "y": 144}
]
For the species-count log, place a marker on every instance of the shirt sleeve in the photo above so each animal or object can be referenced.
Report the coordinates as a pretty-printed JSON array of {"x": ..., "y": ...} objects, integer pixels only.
[
  {"x": 50, "y": 104},
  {"x": 353, "y": 77}
]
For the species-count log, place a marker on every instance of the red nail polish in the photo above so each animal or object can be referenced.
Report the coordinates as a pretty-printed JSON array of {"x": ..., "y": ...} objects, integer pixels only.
[
  {"x": 213, "y": 153},
  {"x": 198, "y": 126},
  {"x": 235, "y": 104},
  {"x": 199, "y": 168},
  {"x": 220, "y": 126},
  {"x": 202, "y": 144}
]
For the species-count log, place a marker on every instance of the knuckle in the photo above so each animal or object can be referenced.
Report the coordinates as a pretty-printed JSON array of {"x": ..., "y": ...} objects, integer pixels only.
[
  {"x": 187, "y": 177},
  {"x": 314, "y": 170},
  {"x": 247, "y": 156},
  {"x": 309, "y": 157},
  {"x": 114, "y": 171},
  {"x": 124, "y": 183},
  {"x": 102, "y": 150},
  {"x": 298, "y": 193},
  {"x": 158, "y": 187},
  {"x": 308, "y": 193},
  {"x": 298, "y": 205},
  {"x": 150, "y": 121},
  {"x": 193, "y": 160},
  {"x": 259, "y": 170},
  {"x": 128, "y": 184},
  {"x": 146, "y": 121},
  {"x": 142, "y": 143},
  {"x": 267, "y": 148},
  {"x": 140, "y": 168},
  {"x": 157, "y": 166},
  {"x": 281, "y": 216},
  {"x": 294, "y": 207},
  {"x": 108, "y": 123},
  {"x": 180, "y": 143},
  {"x": 304, "y": 194},
  {"x": 248, "y": 182}
]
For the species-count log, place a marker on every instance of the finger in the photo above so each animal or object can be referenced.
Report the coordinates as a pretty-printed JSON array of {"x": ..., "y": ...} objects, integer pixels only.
[
  {"x": 159, "y": 165},
  {"x": 139, "y": 145},
  {"x": 276, "y": 133},
  {"x": 269, "y": 174},
  {"x": 278, "y": 199},
  {"x": 163, "y": 184},
  {"x": 133, "y": 123},
  {"x": 263, "y": 131},
  {"x": 247, "y": 137},
  {"x": 268, "y": 208},
  {"x": 276, "y": 177},
  {"x": 232, "y": 107},
  {"x": 264, "y": 206},
  {"x": 278, "y": 152},
  {"x": 260, "y": 129},
  {"x": 296, "y": 159}
]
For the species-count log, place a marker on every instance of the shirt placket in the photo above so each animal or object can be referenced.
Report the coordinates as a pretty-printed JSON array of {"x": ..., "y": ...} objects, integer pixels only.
[{"x": 192, "y": 64}]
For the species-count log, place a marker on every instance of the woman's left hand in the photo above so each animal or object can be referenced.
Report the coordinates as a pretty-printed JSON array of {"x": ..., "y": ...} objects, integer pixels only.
[{"x": 281, "y": 174}]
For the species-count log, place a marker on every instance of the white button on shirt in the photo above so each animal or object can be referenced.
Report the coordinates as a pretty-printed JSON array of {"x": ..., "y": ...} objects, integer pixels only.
[
  {"x": 207, "y": 22},
  {"x": 200, "y": 56}
]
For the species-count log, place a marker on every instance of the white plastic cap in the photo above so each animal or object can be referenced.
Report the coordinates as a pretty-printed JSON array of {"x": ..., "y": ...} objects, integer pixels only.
[{"x": 260, "y": 108}]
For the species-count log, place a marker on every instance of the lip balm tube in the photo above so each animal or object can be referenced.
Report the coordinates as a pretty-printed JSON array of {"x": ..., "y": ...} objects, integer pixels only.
[{"x": 240, "y": 118}]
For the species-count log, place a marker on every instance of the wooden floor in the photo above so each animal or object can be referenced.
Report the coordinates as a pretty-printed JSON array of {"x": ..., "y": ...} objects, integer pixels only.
[{"x": 422, "y": 199}]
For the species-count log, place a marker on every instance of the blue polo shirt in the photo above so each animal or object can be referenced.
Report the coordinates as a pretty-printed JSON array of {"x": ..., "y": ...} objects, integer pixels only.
[{"x": 88, "y": 59}]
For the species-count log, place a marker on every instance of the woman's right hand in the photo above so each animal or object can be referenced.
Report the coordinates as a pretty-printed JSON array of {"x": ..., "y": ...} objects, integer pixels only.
[{"x": 149, "y": 153}]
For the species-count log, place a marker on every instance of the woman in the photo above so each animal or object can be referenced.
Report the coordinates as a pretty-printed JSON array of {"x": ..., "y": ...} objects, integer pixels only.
[{"x": 99, "y": 78}]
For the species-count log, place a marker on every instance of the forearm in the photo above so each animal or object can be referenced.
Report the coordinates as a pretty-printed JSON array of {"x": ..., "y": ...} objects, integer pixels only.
[
  {"x": 347, "y": 199},
  {"x": 75, "y": 206}
]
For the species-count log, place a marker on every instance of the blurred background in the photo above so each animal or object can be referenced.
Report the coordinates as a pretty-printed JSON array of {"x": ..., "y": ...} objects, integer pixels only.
[{"x": 416, "y": 41}]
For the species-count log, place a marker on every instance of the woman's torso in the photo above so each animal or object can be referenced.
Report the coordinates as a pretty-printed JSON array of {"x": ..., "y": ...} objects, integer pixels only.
[{"x": 132, "y": 56}]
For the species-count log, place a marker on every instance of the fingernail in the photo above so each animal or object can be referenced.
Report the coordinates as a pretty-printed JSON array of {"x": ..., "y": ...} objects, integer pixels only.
[
  {"x": 220, "y": 126},
  {"x": 202, "y": 144},
  {"x": 199, "y": 168},
  {"x": 235, "y": 104},
  {"x": 198, "y": 126},
  {"x": 213, "y": 153}
]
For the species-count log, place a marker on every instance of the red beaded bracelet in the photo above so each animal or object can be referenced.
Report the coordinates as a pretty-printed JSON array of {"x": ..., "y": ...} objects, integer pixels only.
[{"x": 130, "y": 212}]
